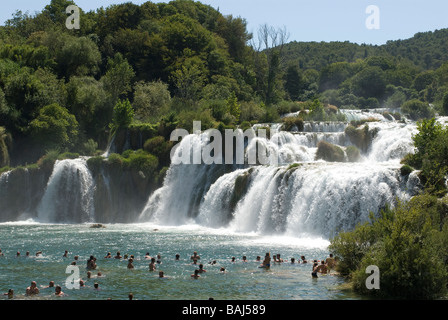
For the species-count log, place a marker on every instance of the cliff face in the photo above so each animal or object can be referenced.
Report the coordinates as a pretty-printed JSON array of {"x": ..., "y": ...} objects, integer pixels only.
[
  {"x": 119, "y": 195},
  {"x": 20, "y": 193}
]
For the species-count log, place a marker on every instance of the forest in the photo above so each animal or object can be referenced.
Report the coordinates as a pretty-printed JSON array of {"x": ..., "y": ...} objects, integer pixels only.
[{"x": 158, "y": 66}]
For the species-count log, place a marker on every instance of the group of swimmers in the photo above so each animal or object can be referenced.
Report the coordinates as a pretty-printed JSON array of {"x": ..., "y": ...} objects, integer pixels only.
[{"x": 323, "y": 267}]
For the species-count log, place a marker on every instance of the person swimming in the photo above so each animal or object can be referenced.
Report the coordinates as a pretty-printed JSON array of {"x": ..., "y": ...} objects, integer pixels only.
[
  {"x": 10, "y": 294},
  {"x": 152, "y": 265},
  {"x": 130, "y": 264},
  {"x": 267, "y": 261},
  {"x": 201, "y": 268},
  {"x": 196, "y": 275},
  {"x": 32, "y": 289},
  {"x": 58, "y": 291},
  {"x": 314, "y": 271}
]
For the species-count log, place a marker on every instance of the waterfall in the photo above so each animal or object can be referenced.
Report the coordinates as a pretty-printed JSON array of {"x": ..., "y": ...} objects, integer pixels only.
[
  {"x": 184, "y": 186},
  {"x": 295, "y": 196},
  {"x": 69, "y": 194}
]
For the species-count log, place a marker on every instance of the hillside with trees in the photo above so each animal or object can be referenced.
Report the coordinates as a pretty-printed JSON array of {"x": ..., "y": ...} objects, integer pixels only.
[{"x": 157, "y": 66}]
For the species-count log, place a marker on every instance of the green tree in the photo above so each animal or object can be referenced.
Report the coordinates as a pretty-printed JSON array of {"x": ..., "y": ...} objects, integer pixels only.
[
  {"x": 117, "y": 80},
  {"x": 188, "y": 81},
  {"x": 293, "y": 82},
  {"x": 233, "y": 107},
  {"x": 79, "y": 56},
  {"x": 151, "y": 99},
  {"x": 54, "y": 127},
  {"x": 123, "y": 115}
]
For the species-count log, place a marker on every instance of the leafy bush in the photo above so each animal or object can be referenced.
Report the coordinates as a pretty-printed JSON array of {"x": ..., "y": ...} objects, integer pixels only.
[
  {"x": 159, "y": 148},
  {"x": 360, "y": 137},
  {"x": 290, "y": 123},
  {"x": 417, "y": 110},
  {"x": 407, "y": 244},
  {"x": 405, "y": 170},
  {"x": 47, "y": 161},
  {"x": 95, "y": 163},
  {"x": 329, "y": 152},
  {"x": 89, "y": 147},
  {"x": 431, "y": 156},
  {"x": 68, "y": 155}
]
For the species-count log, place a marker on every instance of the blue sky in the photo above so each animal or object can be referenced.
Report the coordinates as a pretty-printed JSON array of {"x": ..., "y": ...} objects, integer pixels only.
[{"x": 306, "y": 20}]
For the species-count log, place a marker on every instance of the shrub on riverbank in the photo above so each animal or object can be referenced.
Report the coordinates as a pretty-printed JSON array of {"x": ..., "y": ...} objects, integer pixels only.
[{"x": 407, "y": 244}]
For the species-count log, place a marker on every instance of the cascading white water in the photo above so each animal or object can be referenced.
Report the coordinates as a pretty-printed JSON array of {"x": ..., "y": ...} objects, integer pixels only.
[
  {"x": 184, "y": 186},
  {"x": 69, "y": 194},
  {"x": 309, "y": 197}
]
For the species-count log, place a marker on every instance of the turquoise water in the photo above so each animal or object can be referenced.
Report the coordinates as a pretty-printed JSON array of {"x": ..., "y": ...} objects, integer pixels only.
[{"x": 243, "y": 280}]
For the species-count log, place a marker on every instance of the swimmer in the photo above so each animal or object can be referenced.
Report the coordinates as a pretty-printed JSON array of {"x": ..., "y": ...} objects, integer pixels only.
[
  {"x": 177, "y": 257},
  {"x": 201, "y": 268},
  {"x": 18, "y": 254},
  {"x": 233, "y": 259},
  {"x": 32, "y": 289},
  {"x": 159, "y": 259},
  {"x": 89, "y": 275},
  {"x": 196, "y": 275},
  {"x": 118, "y": 256},
  {"x": 258, "y": 259},
  {"x": 222, "y": 270},
  {"x": 303, "y": 259},
  {"x": 27, "y": 254},
  {"x": 244, "y": 259},
  {"x": 147, "y": 256},
  {"x": 108, "y": 256},
  {"x": 91, "y": 263},
  {"x": 130, "y": 265},
  {"x": 38, "y": 253},
  {"x": 1, "y": 253},
  {"x": 314, "y": 272},
  {"x": 267, "y": 261},
  {"x": 58, "y": 291},
  {"x": 99, "y": 274},
  {"x": 330, "y": 261},
  {"x": 82, "y": 283},
  {"x": 293, "y": 260},
  {"x": 130, "y": 296},
  {"x": 161, "y": 274},
  {"x": 65, "y": 254},
  {"x": 152, "y": 265},
  {"x": 278, "y": 259},
  {"x": 96, "y": 286},
  {"x": 50, "y": 285},
  {"x": 10, "y": 294},
  {"x": 322, "y": 268},
  {"x": 195, "y": 256}
]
